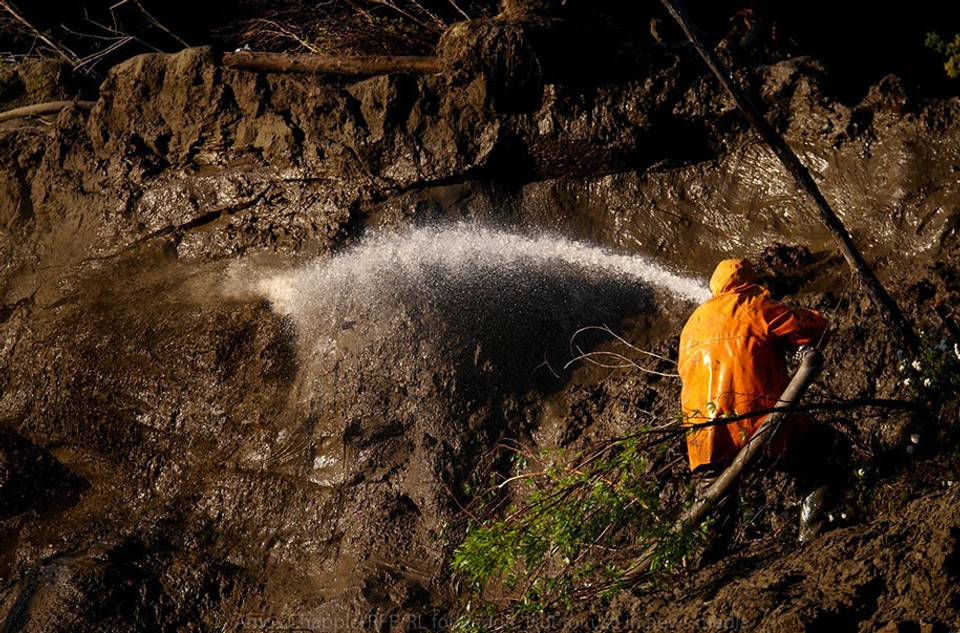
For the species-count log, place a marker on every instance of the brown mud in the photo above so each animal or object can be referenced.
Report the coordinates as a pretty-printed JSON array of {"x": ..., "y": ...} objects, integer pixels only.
[{"x": 173, "y": 456}]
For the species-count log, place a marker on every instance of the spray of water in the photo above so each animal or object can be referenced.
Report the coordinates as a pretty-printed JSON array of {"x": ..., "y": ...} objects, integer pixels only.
[
  {"x": 414, "y": 328},
  {"x": 418, "y": 258}
]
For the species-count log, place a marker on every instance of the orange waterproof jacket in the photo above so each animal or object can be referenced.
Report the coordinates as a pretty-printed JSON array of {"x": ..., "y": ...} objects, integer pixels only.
[{"x": 731, "y": 361}]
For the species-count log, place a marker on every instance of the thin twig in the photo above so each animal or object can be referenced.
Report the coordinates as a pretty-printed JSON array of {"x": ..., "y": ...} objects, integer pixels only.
[
  {"x": 117, "y": 33},
  {"x": 279, "y": 30},
  {"x": 517, "y": 477},
  {"x": 62, "y": 51},
  {"x": 437, "y": 25},
  {"x": 625, "y": 362},
  {"x": 153, "y": 21},
  {"x": 622, "y": 340},
  {"x": 95, "y": 57},
  {"x": 461, "y": 11},
  {"x": 588, "y": 357}
]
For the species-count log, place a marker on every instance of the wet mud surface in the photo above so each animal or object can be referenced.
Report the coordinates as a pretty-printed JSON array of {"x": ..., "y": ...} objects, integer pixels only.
[{"x": 178, "y": 454}]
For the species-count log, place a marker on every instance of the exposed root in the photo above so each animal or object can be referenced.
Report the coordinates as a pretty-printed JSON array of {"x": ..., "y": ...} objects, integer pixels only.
[{"x": 40, "y": 109}]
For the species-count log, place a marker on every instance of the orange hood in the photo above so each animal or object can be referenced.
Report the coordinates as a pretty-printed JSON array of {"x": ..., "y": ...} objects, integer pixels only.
[{"x": 732, "y": 275}]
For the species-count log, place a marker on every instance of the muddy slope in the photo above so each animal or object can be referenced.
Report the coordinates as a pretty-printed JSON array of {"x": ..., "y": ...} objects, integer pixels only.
[
  {"x": 897, "y": 573},
  {"x": 197, "y": 461}
]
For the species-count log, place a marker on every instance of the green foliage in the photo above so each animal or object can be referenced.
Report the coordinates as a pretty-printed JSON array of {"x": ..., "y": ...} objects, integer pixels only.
[
  {"x": 950, "y": 49},
  {"x": 861, "y": 495},
  {"x": 934, "y": 376},
  {"x": 933, "y": 380},
  {"x": 542, "y": 538}
]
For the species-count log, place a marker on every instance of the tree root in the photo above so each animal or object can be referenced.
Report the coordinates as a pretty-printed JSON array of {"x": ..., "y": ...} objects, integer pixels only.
[{"x": 39, "y": 109}]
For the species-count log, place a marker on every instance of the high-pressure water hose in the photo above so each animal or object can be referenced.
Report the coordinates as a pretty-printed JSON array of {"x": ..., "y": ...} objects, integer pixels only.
[{"x": 811, "y": 364}]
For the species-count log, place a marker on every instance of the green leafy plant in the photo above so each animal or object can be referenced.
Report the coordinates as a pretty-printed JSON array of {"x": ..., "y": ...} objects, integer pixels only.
[
  {"x": 545, "y": 534},
  {"x": 934, "y": 375},
  {"x": 933, "y": 381},
  {"x": 950, "y": 49}
]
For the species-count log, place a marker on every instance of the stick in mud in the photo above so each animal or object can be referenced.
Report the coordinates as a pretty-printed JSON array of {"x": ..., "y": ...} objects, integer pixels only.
[{"x": 833, "y": 223}]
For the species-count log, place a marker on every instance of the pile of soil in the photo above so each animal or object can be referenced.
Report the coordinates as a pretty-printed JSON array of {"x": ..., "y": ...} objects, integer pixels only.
[{"x": 195, "y": 465}]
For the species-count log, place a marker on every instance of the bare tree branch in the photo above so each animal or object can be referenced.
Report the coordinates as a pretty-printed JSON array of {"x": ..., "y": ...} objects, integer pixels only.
[
  {"x": 62, "y": 51},
  {"x": 154, "y": 21},
  {"x": 802, "y": 178}
]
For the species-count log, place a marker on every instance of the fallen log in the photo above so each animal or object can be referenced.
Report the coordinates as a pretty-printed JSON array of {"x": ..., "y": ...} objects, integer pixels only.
[
  {"x": 39, "y": 109},
  {"x": 334, "y": 65},
  {"x": 811, "y": 364}
]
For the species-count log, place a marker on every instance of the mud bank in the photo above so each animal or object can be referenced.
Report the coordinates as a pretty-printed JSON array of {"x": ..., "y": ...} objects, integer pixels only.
[{"x": 199, "y": 459}]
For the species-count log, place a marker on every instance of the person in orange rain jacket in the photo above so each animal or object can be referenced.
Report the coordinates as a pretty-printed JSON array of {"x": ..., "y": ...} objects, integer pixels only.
[{"x": 732, "y": 361}]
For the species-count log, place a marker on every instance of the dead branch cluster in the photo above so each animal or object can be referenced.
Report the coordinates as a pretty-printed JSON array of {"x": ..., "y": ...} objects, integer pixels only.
[
  {"x": 359, "y": 27},
  {"x": 125, "y": 26},
  {"x": 109, "y": 30}
]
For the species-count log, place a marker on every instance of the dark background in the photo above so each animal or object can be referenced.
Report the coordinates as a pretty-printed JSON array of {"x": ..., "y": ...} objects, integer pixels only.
[{"x": 858, "y": 42}]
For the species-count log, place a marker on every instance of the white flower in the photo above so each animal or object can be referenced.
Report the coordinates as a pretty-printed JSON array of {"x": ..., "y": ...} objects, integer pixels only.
[
  {"x": 902, "y": 366},
  {"x": 926, "y": 382},
  {"x": 916, "y": 365},
  {"x": 906, "y": 381},
  {"x": 861, "y": 472},
  {"x": 956, "y": 350}
]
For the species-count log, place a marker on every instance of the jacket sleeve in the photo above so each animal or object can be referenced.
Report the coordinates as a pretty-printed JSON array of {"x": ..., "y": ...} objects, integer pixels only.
[{"x": 797, "y": 325}]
